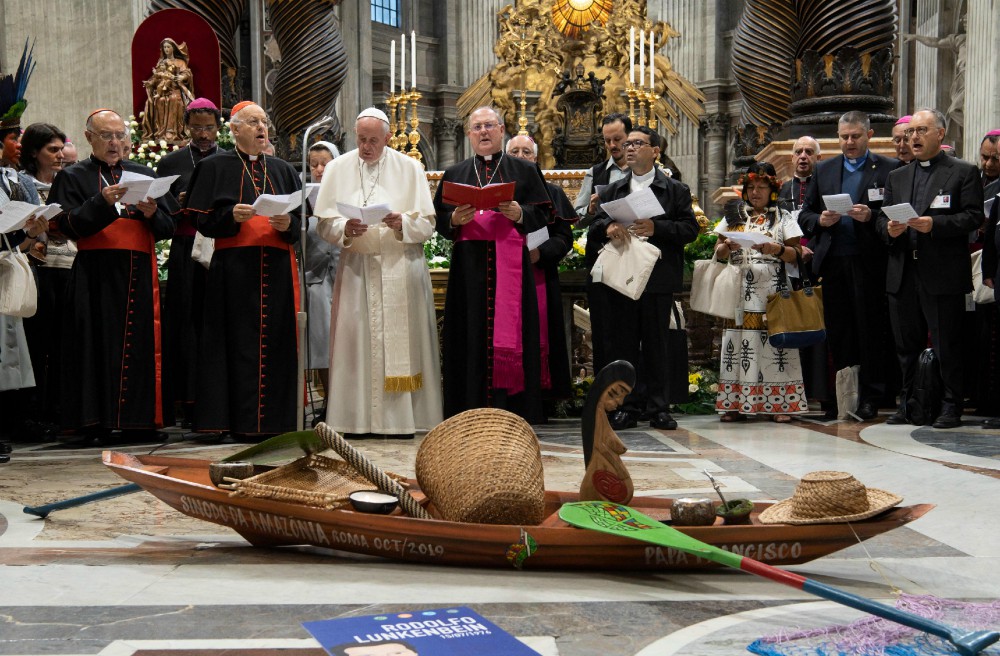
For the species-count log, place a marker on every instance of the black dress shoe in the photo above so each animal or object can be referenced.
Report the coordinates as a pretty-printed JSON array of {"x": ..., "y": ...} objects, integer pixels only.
[
  {"x": 866, "y": 411},
  {"x": 663, "y": 421},
  {"x": 992, "y": 422},
  {"x": 622, "y": 419},
  {"x": 947, "y": 420},
  {"x": 897, "y": 418}
]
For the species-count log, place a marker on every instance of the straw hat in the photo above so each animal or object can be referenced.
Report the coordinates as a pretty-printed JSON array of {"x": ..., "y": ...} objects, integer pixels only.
[{"x": 829, "y": 497}]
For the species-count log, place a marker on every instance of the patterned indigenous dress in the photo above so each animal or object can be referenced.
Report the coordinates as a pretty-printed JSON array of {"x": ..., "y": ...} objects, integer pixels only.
[{"x": 754, "y": 377}]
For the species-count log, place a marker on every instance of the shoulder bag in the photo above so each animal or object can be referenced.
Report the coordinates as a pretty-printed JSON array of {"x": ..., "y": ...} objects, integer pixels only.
[
  {"x": 18, "y": 293},
  {"x": 795, "y": 318},
  {"x": 715, "y": 288},
  {"x": 202, "y": 249}
]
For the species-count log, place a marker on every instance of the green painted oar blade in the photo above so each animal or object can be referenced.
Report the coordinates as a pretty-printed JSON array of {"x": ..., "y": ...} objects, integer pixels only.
[
  {"x": 616, "y": 519},
  {"x": 280, "y": 447}
]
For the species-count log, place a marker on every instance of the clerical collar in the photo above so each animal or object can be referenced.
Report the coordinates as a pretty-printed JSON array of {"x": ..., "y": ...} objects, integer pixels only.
[
  {"x": 645, "y": 177},
  {"x": 489, "y": 157},
  {"x": 803, "y": 178},
  {"x": 934, "y": 160},
  {"x": 248, "y": 156},
  {"x": 853, "y": 164}
]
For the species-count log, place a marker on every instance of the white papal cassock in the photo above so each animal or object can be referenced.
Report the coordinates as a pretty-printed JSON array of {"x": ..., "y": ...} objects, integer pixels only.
[{"x": 385, "y": 375}]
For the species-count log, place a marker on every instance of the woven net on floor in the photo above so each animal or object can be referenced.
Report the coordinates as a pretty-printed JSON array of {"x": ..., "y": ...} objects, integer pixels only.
[{"x": 874, "y": 636}]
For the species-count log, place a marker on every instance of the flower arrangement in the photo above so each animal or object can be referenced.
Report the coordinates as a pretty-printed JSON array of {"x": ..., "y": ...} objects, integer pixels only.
[
  {"x": 574, "y": 260},
  {"x": 703, "y": 385},
  {"x": 162, "y": 254},
  {"x": 437, "y": 252},
  {"x": 573, "y": 406},
  {"x": 146, "y": 151},
  {"x": 701, "y": 248}
]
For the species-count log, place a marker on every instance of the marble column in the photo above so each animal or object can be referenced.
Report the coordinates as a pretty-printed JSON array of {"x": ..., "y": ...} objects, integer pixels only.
[
  {"x": 446, "y": 133},
  {"x": 982, "y": 94},
  {"x": 356, "y": 94},
  {"x": 716, "y": 128}
]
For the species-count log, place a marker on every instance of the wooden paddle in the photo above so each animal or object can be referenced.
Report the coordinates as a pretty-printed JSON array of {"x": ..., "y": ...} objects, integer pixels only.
[
  {"x": 276, "y": 448},
  {"x": 626, "y": 522}
]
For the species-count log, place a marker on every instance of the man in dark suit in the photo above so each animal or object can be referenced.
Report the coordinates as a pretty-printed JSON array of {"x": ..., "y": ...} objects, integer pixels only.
[
  {"x": 805, "y": 154},
  {"x": 928, "y": 274},
  {"x": 849, "y": 256},
  {"x": 638, "y": 330},
  {"x": 614, "y": 129}
]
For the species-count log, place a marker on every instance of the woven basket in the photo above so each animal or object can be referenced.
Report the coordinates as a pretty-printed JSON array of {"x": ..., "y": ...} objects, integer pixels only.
[
  {"x": 314, "y": 480},
  {"x": 483, "y": 466}
]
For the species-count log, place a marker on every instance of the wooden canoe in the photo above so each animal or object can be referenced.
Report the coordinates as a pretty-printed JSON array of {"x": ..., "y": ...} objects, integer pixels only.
[{"x": 184, "y": 484}]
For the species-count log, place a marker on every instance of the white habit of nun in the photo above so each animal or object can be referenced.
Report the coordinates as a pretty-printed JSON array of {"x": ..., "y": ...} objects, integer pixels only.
[{"x": 385, "y": 375}]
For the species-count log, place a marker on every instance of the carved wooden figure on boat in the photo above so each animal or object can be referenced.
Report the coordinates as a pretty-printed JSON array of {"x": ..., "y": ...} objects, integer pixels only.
[{"x": 606, "y": 477}]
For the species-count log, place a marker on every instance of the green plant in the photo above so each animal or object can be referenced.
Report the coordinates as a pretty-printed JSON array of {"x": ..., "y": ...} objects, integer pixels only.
[
  {"x": 574, "y": 260},
  {"x": 703, "y": 385},
  {"x": 437, "y": 252},
  {"x": 573, "y": 406},
  {"x": 146, "y": 152},
  {"x": 701, "y": 248}
]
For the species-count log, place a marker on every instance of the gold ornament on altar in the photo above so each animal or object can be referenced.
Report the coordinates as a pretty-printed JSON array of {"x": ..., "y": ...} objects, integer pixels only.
[{"x": 535, "y": 51}]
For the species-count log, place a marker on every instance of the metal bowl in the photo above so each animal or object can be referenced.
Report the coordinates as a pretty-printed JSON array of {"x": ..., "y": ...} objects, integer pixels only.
[{"x": 372, "y": 501}]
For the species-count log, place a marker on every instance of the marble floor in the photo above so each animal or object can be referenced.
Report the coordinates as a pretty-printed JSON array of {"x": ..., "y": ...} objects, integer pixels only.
[{"x": 130, "y": 575}]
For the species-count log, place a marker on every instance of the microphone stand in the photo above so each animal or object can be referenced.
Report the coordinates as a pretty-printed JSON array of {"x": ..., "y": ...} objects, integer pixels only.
[{"x": 302, "y": 317}]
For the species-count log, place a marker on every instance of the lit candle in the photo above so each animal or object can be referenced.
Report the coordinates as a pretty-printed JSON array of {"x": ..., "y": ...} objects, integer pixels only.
[
  {"x": 642, "y": 58},
  {"x": 392, "y": 67},
  {"x": 652, "y": 64},
  {"x": 631, "y": 55},
  {"x": 413, "y": 59},
  {"x": 402, "y": 63}
]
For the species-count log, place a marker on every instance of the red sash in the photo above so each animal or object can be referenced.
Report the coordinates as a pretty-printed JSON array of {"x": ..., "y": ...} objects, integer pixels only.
[
  {"x": 257, "y": 232},
  {"x": 133, "y": 235}
]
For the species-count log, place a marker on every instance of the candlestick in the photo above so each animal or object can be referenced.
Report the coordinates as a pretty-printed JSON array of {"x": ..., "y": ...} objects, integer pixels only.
[
  {"x": 401, "y": 124},
  {"x": 402, "y": 63},
  {"x": 631, "y": 55},
  {"x": 392, "y": 102},
  {"x": 653, "y": 98},
  {"x": 652, "y": 57},
  {"x": 631, "y": 93},
  {"x": 642, "y": 58},
  {"x": 414, "y": 125},
  {"x": 392, "y": 67},
  {"x": 413, "y": 59}
]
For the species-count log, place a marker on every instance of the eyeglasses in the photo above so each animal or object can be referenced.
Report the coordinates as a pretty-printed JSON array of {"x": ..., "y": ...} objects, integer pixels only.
[
  {"x": 206, "y": 129},
  {"x": 637, "y": 144},
  {"x": 107, "y": 137},
  {"x": 899, "y": 140},
  {"x": 254, "y": 123},
  {"x": 480, "y": 127},
  {"x": 920, "y": 130}
]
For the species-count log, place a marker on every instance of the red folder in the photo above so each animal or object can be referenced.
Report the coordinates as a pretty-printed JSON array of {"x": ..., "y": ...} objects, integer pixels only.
[{"x": 482, "y": 198}]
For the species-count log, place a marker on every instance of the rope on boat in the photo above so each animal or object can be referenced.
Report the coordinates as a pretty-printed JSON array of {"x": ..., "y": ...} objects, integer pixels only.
[{"x": 370, "y": 471}]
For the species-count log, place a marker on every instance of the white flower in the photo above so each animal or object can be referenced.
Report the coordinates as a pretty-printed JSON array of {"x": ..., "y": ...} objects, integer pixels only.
[
  {"x": 151, "y": 143},
  {"x": 437, "y": 259},
  {"x": 713, "y": 388},
  {"x": 163, "y": 143},
  {"x": 692, "y": 388},
  {"x": 157, "y": 156}
]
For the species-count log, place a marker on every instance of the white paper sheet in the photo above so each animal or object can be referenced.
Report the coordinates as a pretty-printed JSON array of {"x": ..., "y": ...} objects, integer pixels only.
[
  {"x": 276, "y": 205},
  {"x": 901, "y": 213},
  {"x": 140, "y": 187},
  {"x": 537, "y": 238},
  {"x": 370, "y": 215},
  {"x": 747, "y": 239},
  {"x": 49, "y": 211},
  {"x": 839, "y": 203},
  {"x": 15, "y": 214},
  {"x": 312, "y": 193},
  {"x": 639, "y": 205},
  {"x": 988, "y": 205}
]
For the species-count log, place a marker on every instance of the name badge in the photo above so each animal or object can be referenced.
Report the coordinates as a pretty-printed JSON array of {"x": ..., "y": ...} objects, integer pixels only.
[
  {"x": 941, "y": 202},
  {"x": 876, "y": 194}
]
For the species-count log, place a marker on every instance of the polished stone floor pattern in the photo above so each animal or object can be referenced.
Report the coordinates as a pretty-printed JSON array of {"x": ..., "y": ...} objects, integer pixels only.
[{"x": 130, "y": 575}]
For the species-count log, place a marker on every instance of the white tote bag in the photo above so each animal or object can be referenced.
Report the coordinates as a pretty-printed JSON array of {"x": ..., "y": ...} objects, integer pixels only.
[
  {"x": 18, "y": 293},
  {"x": 202, "y": 249},
  {"x": 715, "y": 288},
  {"x": 626, "y": 267},
  {"x": 980, "y": 292}
]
